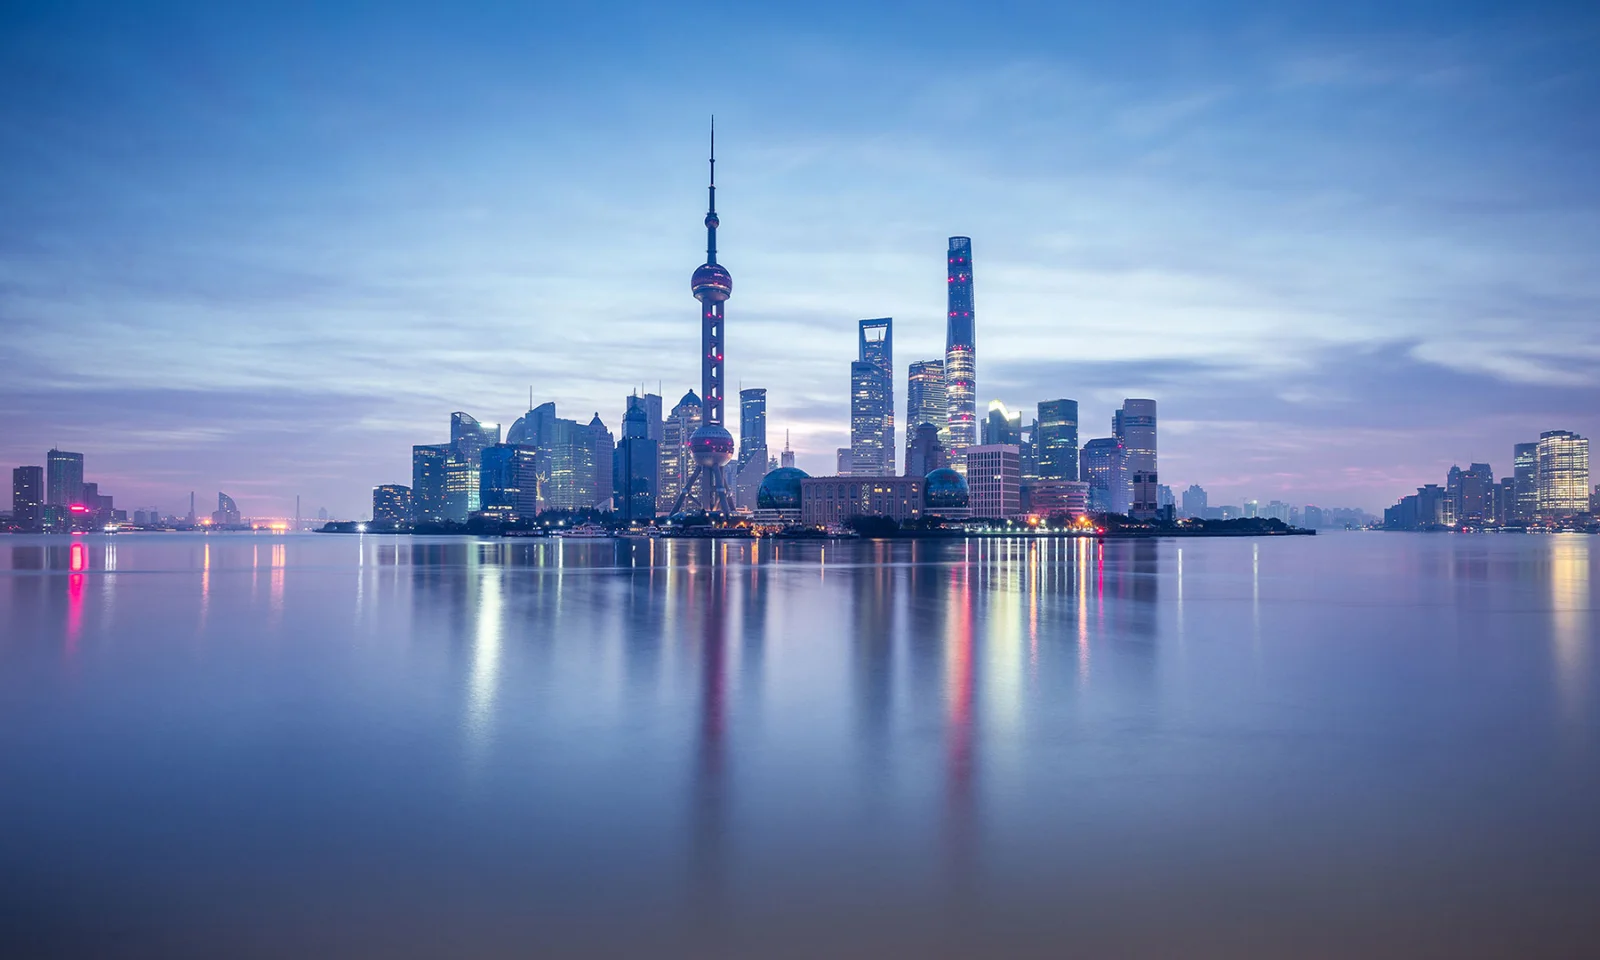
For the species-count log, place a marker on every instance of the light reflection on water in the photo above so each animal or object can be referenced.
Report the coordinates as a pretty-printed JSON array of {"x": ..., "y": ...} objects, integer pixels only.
[{"x": 1331, "y": 746}]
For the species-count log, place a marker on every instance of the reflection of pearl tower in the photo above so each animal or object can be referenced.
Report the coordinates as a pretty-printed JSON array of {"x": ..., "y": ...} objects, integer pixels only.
[{"x": 712, "y": 444}]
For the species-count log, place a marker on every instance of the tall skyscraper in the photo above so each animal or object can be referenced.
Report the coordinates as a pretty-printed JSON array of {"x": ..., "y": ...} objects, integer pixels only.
[
  {"x": 508, "y": 478},
  {"x": 1525, "y": 481},
  {"x": 1056, "y": 441},
  {"x": 635, "y": 465},
  {"x": 468, "y": 437},
  {"x": 1563, "y": 474},
  {"x": 711, "y": 444},
  {"x": 63, "y": 478},
  {"x": 1476, "y": 499},
  {"x": 925, "y": 402},
  {"x": 1104, "y": 466},
  {"x": 960, "y": 352},
  {"x": 752, "y": 426},
  {"x": 429, "y": 488},
  {"x": 872, "y": 401},
  {"x": 653, "y": 417},
  {"x": 27, "y": 498},
  {"x": 1135, "y": 426}
]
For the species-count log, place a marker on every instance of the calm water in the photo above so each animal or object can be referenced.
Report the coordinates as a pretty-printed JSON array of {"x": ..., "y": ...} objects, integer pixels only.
[{"x": 1348, "y": 745}]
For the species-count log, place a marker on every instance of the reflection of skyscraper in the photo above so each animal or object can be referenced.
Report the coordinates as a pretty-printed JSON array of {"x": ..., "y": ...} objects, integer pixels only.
[
  {"x": 1563, "y": 474},
  {"x": 960, "y": 351},
  {"x": 925, "y": 401},
  {"x": 27, "y": 498},
  {"x": 1135, "y": 426},
  {"x": 1056, "y": 441},
  {"x": 872, "y": 401},
  {"x": 64, "y": 477}
]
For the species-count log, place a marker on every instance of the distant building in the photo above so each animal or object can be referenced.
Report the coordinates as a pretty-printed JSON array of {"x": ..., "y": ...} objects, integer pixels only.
[
  {"x": 64, "y": 478},
  {"x": 27, "y": 498},
  {"x": 826, "y": 501},
  {"x": 1476, "y": 503},
  {"x": 1048, "y": 497},
  {"x": 635, "y": 465},
  {"x": 993, "y": 480},
  {"x": 1164, "y": 497},
  {"x": 872, "y": 400},
  {"x": 925, "y": 400},
  {"x": 1525, "y": 474},
  {"x": 391, "y": 505},
  {"x": 786, "y": 458},
  {"x": 676, "y": 462},
  {"x": 1194, "y": 501},
  {"x": 1135, "y": 426},
  {"x": 1001, "y": 426},
  {"x": 1056, "y": 440},
  {"x": 1104, "y": 466},
  {"x": 1563, "y": 474},
  {"x": 752, "y": 425},
  {"x": 468, "y": 437},
  {"x": 429, "y": 484},
  {"x": 1312, "y": 517},
  {"x": 227, "y": 512},
  {"x": 925, "y": 453},
  {"x": 843, "y": 462},
  {"x": 508, "y": 478}
]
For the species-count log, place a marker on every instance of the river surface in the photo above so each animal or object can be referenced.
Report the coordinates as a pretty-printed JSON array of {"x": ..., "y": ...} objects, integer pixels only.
[{"x": 1358, "y": 744}]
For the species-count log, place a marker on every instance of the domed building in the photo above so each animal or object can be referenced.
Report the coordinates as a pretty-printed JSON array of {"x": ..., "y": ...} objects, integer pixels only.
[
  {"x": 780, "y": 489},
  {"x": 944, "y": 494}
]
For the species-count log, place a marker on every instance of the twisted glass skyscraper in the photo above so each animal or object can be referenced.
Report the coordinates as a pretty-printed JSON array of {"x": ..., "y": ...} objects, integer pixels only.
[{"x": 960, "y": 351}]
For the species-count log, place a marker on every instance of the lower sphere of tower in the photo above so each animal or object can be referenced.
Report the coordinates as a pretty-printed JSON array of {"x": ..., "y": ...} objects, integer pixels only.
[{"x": 711, "y": 446}]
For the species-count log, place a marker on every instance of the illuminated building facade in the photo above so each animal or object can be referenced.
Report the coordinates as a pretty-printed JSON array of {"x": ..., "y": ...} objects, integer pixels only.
[
  {"x": 429, "y": 486},
  {"x": 925, "y": 401},
  {"x": 1135, "y": 426},
  {"x": 827, "y": 501},
  {"x": 63, "y": 478},
  {"x": 392, "y": 505},
  {"x": 227, "y": 512},
  {"x": 1104, "y": 466},
  {"x": 508, "y": 478},
  {"x": 960, "y": 352},
  {"x": 1055, "y": 441},
  {"x": 994, "y": 479},
  {"x": 872, "y": 401},
  {"x": 1048, "y": 497},
  {"x": 1563, "y": 474},
  {"x": 1525, "y": 481},
  {"x": 1002, "y": 425},
  {"x": 27, "y": 498},
  {"x": 676, "y": 462}
]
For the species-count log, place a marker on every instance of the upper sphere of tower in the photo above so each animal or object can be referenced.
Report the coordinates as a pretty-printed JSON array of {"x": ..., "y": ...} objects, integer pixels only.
[
  {"x": 712, "y": 222},
  {"x": 711, "y": 282}
]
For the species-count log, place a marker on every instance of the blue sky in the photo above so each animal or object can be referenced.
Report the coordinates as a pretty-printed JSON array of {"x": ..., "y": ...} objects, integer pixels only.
[{"x": 265, "y": 250}]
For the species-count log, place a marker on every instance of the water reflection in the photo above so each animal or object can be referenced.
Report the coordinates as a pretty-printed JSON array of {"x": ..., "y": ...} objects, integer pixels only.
[
  {"x": 743, "y": 729},
  {"x": 1571, "y": 600}
]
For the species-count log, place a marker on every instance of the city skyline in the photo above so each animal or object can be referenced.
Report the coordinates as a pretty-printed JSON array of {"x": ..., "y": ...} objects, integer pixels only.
[{"x": 1400, "y": 305}]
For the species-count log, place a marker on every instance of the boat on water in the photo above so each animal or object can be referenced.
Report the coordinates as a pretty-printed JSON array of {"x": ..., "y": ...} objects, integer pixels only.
[{"x": 586, "y": 531}]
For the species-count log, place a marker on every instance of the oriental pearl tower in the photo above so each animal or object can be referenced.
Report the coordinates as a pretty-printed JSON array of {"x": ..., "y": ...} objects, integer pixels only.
[{"x": 712, "y": 444}]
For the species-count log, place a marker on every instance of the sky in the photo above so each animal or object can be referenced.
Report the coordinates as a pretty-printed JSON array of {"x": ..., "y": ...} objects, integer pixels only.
[{"x": 266, "y": 249}]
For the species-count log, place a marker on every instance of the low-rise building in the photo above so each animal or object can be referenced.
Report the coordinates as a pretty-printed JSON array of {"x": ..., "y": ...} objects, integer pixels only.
[{"x": 826, "y": 501}]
